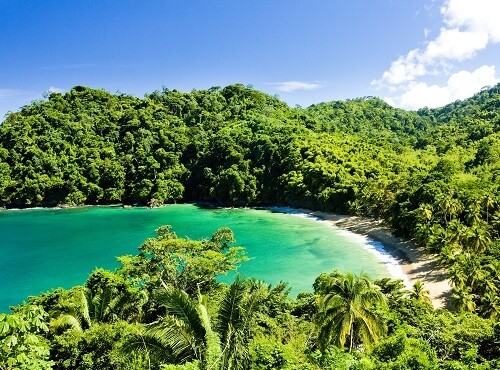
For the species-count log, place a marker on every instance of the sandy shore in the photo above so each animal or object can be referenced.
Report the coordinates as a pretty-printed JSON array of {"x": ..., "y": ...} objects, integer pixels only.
[{"x": 415, "y": 263}]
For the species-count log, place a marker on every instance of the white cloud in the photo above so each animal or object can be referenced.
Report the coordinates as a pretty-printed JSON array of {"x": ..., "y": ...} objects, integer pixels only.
[
  {"x": 291, "y": 86},
  {"x": 58, "y": 90},
  {"x": 460, "y": 85},
  {"x": 403, "y": 70},
  {"x": 453, "y": 44},
  {"x": 476, "y": 16},
  {"x": 423, "y": 95},
  {"x": 390, "y": 101},
  {"x": 469, "y": 27}
]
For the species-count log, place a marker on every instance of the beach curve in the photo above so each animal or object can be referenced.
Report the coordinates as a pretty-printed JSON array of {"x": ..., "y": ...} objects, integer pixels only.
[
  {"x": 415, "y": 263},
  {"x": 403, "y": 258}
]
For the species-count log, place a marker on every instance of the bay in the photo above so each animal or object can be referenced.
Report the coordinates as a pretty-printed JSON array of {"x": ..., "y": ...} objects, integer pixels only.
[{"x": 41, "y": 249}]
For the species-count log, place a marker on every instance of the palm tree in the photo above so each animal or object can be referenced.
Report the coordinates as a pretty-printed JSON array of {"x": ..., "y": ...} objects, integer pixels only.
[
  {"x": 425, "y": 212},
  {"x": 71, "y": 313},
  {"x": 478, "y": 239},
  {"x": 82, "y": 307},
  {"x": 456, "y": 232},
  {"x": 449, "y": 255},
  {"x": 436, "y": 238},
  {"x": 232, "y": 322},
  {"x": 456, "y": 273},
  {"x": 420, "y": 293},
  {"x": 423, "y": 233},
  {"x": 495, "y": 222},
  {"x": 467, "y": 271},
  {"x": 181, "y": 336},
  {"x": 490, "y": 305},
  {"x": 178, "y": 337},
  {"x": 347, "y": 310},
  {"x": 464, "y": 300},
  {"x": 449, "y": 206},
  {"x": 185, "y": 333},
  {"x": 473, "y": 214},
  {"x": 488, "y": 202},
  {"x": 394, "y": 290}
]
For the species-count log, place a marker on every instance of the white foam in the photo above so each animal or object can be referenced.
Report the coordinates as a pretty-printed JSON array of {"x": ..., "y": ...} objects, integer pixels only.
[{"x": 374, "y": 247}]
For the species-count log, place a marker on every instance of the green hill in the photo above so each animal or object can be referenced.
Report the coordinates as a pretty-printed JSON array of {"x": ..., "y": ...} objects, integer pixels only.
[{"x": 433, "y": 175}]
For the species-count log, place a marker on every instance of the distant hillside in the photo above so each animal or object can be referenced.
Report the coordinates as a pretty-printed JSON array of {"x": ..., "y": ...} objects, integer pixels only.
[
  {"x": 371, "y": 118},
  {"x": 227, "y": 145},
  {"x": 484, "y": 105}
]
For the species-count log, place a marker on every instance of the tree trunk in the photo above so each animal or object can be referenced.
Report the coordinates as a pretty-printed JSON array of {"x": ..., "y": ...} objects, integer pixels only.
[{"x": 352, "y": 336}]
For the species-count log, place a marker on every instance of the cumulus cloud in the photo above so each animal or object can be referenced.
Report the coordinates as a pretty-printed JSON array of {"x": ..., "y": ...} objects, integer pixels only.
[
  {"x": 468, "y": 27},
  {"x": 403, "y": 70},
  {"x": 460, "y": 85},
  {"x": 291, "y": 86},
  {"x": 476, "y": 16},
  {"x": 453, "y": 44},
  {"x": 390, "y": 101}
]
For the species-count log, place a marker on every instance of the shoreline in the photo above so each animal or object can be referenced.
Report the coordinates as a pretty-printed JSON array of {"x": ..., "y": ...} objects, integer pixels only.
[
  {"x": 415, "y": 263},
  {"x": 402, "y": 258}
]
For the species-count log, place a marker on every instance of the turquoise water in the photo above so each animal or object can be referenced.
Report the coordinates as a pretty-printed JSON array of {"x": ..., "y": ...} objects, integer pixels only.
[{"x": 42, "y": 249}]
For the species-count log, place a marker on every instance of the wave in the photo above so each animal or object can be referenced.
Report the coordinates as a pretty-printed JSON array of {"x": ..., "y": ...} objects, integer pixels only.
[{"x": 376, "y": 248}]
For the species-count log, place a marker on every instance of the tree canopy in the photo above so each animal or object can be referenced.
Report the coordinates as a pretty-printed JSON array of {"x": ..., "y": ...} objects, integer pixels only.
[{"x": 432, "y": 175}]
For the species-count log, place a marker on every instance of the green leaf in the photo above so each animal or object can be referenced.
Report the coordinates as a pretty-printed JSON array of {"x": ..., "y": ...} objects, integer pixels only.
[
  {"x": 11, "y": 340},
  {"x": 4, "y": 327}
]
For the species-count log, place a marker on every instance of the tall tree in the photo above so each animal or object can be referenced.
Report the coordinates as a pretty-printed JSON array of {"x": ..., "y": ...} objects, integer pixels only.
[
  {"x": 478, "y": 239},
  {"x": 419, "y": 292},
  {"x": 347, "y": 310}
]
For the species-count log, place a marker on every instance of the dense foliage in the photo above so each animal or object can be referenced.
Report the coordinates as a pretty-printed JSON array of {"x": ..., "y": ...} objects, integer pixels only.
[
  {"x": 164, "y": 309},
  {"x": 432, "y": 175}
]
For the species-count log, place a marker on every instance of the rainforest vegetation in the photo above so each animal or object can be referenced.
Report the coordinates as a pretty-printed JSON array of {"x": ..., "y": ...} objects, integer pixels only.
[{"x": 432, "y": 175}]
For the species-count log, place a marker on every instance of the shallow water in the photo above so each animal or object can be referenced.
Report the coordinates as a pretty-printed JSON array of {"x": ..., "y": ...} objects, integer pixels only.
[{"x": 42, "y": 249}]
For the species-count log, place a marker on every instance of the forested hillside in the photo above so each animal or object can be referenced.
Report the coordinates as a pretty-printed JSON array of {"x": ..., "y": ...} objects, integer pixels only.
[{"x": 433, "y": 175}]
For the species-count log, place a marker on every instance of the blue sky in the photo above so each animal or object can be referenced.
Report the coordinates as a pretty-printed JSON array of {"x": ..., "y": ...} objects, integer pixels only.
[{"x": 411, "y": 53}]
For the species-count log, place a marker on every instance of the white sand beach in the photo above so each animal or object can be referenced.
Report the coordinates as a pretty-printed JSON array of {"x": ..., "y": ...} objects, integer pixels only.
[{"x": 414, "y": 262}]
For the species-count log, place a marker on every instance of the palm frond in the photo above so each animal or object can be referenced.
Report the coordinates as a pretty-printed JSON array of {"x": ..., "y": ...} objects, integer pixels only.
[
  {"x": 230, "y": 314},
  {"x": 179, "y": 305},
  {"x": 231, "y": 325},
  {"x": 281, "y": 288},
  {"x": 64, "y": 322},
  {"x": 213, "y": 353},
  {"x": 155, "y": 348},
  {"x": 346, "y": 309},
  {"x": 85, "y": 309},
  {"x": 178, "y": 337}
]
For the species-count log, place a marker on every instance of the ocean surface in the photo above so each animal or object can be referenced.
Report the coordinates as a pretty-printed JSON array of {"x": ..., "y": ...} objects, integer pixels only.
[{"x": 42, "y": 249}]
